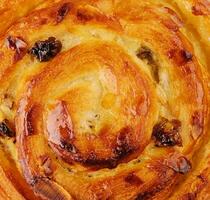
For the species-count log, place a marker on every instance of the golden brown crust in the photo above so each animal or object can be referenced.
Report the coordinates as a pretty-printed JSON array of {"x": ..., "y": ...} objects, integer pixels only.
[{"x": 108, "y": 99}]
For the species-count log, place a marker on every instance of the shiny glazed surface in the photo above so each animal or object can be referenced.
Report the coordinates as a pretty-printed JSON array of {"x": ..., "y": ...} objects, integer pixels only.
[{"x": 104, "y": 99}]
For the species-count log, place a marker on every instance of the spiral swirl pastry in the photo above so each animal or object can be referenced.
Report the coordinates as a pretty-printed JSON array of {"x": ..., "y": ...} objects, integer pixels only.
[{"x": 104, "y": 100}]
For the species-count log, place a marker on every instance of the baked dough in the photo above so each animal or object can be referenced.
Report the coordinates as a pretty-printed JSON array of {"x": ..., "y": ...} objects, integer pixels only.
[{"x": 104, "y": 99}]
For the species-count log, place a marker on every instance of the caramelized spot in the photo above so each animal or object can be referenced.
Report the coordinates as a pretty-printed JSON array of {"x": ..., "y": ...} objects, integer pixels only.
[
  {"x": 145, "y": 195},
  {"x": 69, "y": 152},
  {"x": 18, "y": 45},
  {"x": 180, "y": 57},
  {"x": 197, "y": 119},
  {"x": 29, "y": 122},
  {"x": 46, "y": 50},
  {"x": 62, "y": 12},
  {"x": 93, "y": 160},
  {"x": 121, "y": 150},
  {"x": 43, "y": 21},
  {"x": 164, "y": 179},
  {"x": 133, "y": 179},
  {"x": 203, "y": 178},
  {"x": 124, "y": 146},
  {"x": 146, "y": 54},
  {"x": 157, "y": 187},
  {"x": 188, "y": 196},
  {"x": 5, "y": 130},
  {"x": 84, "y": 15},
  {"x": 166, "y": 133}
]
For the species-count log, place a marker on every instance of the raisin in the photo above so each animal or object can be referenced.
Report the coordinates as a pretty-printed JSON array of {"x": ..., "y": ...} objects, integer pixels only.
[
  {"x": 69, "y": 147},
  {"x": 5, "y": 130},
  {"x": 166, "y": 133},
  {"x": 46, "y": 50},
  {"x": 146, "y": 54},
  {"x": 187, "y": 56}
]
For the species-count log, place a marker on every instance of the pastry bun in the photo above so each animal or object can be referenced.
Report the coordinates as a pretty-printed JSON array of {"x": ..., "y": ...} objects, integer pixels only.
[{"x": 104, "y": 100}]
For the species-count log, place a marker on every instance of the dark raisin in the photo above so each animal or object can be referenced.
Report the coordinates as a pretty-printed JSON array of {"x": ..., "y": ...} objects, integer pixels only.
[
  {"x": 5, "y": 130},
  {"x": 18, "y": 45},
  {"x": 166, "y": 133},
  {"x": 69, "y": 147},
  {"x": 187, "y": 56},
  {"x": 145, "y": 53},
  {"x": 46, "y": 50},
  {"x": 62, "y": 12}
]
